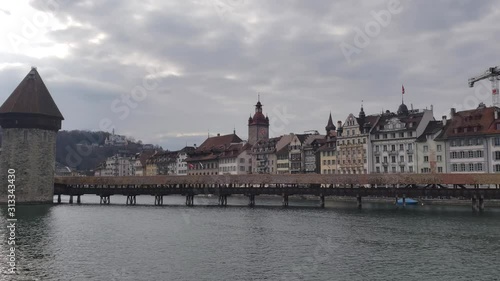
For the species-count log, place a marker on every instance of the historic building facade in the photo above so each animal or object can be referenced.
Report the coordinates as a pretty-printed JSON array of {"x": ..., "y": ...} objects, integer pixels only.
[
  {"x": 430, "y": 151},
  {"x": 393, "y": 140},
  {"x": 353, "y": 149}
]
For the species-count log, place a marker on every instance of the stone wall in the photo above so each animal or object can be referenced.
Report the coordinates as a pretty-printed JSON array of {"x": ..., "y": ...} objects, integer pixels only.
[{"x": 31, "y": 152}]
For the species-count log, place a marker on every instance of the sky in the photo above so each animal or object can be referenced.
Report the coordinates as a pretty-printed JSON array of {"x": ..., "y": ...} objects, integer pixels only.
[{"x": 173, "y": 72}]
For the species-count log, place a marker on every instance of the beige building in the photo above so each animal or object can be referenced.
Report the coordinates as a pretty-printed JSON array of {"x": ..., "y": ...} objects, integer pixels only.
[{"x": 353, "y": 147}]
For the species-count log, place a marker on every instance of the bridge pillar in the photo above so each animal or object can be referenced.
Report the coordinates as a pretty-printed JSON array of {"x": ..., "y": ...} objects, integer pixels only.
[
  {"x": 222, "y": 200},
  {"x": 358, "y": 198},
  {"x": 322, "y": 201},
  {"x": 251, "y": 200},
  {"x": 58, "y": 198},
  {"x": 481, "y": 203},
  {"x": 71, "y": 199},
  {"x": 189, "y": 200},
  {"x": 404, "y": 200},
  {"x": 396, "y": 202},
  {"x": 131, "y": 199},
  {"x": 285, "y": 200},
  {"x": 158, "y": 200},
  {"x": 78, "y": 200},
  {"x": 474, "y": 203},
  {"x": 105, "y": 200}
]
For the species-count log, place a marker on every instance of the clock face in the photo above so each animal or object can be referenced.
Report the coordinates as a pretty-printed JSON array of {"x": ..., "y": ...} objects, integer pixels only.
[{"x": 263, "y": 132}]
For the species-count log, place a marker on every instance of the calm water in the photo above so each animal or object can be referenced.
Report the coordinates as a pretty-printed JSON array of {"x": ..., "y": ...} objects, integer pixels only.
[{"x": 340, "y": 242}]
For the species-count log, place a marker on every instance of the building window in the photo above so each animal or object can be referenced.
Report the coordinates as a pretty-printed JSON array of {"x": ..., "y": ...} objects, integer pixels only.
[
  {"x": 479, "y": 166},
  {"x": 410, "y": 158},
  {"x": 426, "y": 159},
  {"x": 454, "y": 167},
  {"x": 426, "y": 148},
  {"x": 471, "y": 167},
  {"x": 393, "y": 159},
  {"x": 393, "y": 169},
  {"x": 385, "y": 159},
  {"x": 496, "y": 168},
  {"x": 462, "y": 167},
  {"x": 440, "y": 169},
  {"x": 497, "y": 155},
  {"x": 385, "y": 147},
  {"x": 497, "y": 141},
  {"x": 401, "y": 135},
  {"x": 393, "y": 147},
  {"x": 438, "y": 148},
  {"x": 376, "y": 148},
  {"x": 439, "y": 158},
  {"x": 410, "y": 169},
  {"x": 410, "y": 134},
  {"x": 385, "y": 136},
  {"x": 401, "y": 158},
  {"x": 402, "y": 169},
  {"x": 471, "y": 154},
  {"x": 377, "y": 169},
  {"x": 401, "y": 147},
  {"x": 377, "y": 159},
  {"x": 410, "y": 146}
]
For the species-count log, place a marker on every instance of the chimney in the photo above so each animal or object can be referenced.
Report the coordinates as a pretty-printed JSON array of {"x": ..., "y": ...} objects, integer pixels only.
[
  {"x": 339, "y": 124},
  {"x": 218, "y": 135},
  {"x": 444, "y": 120},
  {"x": 452, "y": 112}
]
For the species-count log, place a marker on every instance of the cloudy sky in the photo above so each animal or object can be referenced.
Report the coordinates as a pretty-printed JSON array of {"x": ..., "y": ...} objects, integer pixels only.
[{"x": 170, "y": 72}]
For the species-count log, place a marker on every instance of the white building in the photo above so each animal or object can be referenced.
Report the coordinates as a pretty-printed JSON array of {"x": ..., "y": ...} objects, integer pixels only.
[
  {"x": 473, "y": 140},
  {"x": 181, "y": 164},
  {"x": 430, "y": 150},
  {"x": 116, "y": 140},
  {"x": 235, "y": 159},
  {"x": 119, "y": 165},
  {"x": 393, "y": 140}
]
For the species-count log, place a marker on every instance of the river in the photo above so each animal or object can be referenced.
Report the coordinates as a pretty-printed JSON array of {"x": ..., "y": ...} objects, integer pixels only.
[{"x": 266, "y": 242}]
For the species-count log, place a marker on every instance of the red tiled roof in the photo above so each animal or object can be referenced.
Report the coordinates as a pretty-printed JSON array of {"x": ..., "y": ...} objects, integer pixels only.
[
  {"x": 31, "y": 96},
  {"x": 218, "y": 142},
  {"x": 479, "y": 121}
]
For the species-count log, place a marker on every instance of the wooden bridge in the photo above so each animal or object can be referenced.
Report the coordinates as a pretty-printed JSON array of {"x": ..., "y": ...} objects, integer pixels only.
[{"x": 476, "y": 187}]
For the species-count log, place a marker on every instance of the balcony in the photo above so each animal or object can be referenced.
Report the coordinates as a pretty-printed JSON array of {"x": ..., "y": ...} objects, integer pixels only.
[
  {"x": 385, "y": 164},
  {"x": 402, "y": 163},
  {"x": 409, "y": 151},
  {"x": 376, "y": 153},
  {"x": 393, "y": 152}
]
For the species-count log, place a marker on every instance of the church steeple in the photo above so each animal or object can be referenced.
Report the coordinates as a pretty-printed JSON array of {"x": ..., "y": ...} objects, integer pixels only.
[{"x": 329, "y": 126}]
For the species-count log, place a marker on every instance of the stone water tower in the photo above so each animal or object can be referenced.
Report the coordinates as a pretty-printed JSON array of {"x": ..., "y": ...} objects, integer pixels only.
[{"x": 30, "y": 120}]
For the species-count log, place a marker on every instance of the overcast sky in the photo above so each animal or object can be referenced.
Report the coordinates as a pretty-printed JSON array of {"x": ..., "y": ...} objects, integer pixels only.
[{"x": 169, "y": 72}]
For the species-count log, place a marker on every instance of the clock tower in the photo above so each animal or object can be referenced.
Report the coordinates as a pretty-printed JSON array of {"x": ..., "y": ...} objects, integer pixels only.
[{"x": 258, "y": 125}]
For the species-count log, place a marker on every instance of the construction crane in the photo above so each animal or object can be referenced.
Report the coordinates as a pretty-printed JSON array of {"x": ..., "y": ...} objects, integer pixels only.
[{"x": 493, "y": 74}]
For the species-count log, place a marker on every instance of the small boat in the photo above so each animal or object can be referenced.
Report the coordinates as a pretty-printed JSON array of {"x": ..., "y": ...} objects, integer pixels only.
[{"x": 408, "y": 201}]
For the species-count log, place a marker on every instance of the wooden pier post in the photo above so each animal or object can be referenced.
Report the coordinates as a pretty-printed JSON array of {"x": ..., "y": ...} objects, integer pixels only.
[
  {"x": 360, "y": 205},
  {"x": 481, "y": 203},
  {"x": 251, "y": 200},
  {"x": 474, "y": 203},
  {"x": 285, "y": 200},
  {"x": 78, "y": 201},
  {"x": 158, "y": 200},
  {"x": 71, "y": 199},
  {"x": 189, "y": 200},
  {"x": 322, "y": 201},
  {"x": 58, "y": 198},
  {"x": 404, "y": 200},
  {"x": 396, "y": 202}
]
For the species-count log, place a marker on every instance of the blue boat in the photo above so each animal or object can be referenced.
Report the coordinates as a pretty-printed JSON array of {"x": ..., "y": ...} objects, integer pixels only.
[{"x": 408, "y": 201}]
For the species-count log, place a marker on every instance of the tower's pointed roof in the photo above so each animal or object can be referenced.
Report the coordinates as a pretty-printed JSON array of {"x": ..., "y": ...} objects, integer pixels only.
[
  {"x": 330, "y": 125},
  {"x": 31, "y": 97}
]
